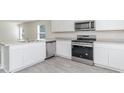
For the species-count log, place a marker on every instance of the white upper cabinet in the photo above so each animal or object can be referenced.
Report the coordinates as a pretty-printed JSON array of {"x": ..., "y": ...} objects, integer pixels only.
[
  {"x": 62, "y": 25},
  {"x": 109, "y": 24}
]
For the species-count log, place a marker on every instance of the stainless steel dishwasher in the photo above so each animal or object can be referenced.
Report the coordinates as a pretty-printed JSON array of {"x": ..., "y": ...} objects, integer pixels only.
[{"x": 50, "y": 49}]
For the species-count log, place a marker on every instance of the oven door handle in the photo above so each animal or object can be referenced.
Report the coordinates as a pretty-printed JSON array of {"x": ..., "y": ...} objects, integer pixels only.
[{"x": 83, "y": 45}]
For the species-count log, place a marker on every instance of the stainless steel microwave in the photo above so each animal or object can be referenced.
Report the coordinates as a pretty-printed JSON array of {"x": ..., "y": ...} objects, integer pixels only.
[{"x": 85, "y": 26}]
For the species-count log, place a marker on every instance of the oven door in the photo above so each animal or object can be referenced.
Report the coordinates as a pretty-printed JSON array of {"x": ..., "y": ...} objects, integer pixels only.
[{"x": 82, "y": 52}]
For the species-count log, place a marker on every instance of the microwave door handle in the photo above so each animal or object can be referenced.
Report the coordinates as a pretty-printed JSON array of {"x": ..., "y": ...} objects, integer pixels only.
[{"x": 90, "y": 25}]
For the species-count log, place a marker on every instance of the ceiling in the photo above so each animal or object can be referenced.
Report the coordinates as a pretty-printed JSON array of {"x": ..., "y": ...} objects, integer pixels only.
[{"x": 18, "y": 21}]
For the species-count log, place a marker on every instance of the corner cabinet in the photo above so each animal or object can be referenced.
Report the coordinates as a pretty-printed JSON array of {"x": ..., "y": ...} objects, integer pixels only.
[
  {"x": 62, "y": 25},
  {"x": 109, "y": 55},
  {"x": 109, "y": 24},
  {"x": 63, "y": 48}
]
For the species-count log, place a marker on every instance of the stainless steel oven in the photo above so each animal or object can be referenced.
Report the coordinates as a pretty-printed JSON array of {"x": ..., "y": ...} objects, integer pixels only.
[{"x": 82, "y": 50}]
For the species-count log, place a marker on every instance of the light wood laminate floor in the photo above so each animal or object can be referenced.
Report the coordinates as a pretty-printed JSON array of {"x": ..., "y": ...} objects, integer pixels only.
[{"x": 62, "y": 65}]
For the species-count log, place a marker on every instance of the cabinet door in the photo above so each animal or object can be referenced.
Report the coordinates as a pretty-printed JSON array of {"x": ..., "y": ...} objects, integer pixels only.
[
  {"x": 62, "y": 25},
  {"x": 109, "y": 24},
  {"x": 27, "y": 52},
  {"x": 34, "y": 53},
  {"x": 100, "y": 55},
  {"x": 63, "y": 48},
  {"x": 116, "y": 58},
  {"x": 16, "y": 58},
  {"x": 39, "y": 52}
]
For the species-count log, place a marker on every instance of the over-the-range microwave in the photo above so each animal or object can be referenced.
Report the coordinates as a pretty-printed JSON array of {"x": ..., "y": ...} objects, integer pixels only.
[{"x": 85, "y": 25}]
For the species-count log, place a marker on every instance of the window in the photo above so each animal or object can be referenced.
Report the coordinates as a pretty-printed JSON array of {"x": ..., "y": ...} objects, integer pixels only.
[
  {"x": 41, "y": 32},
  {"x": 21, "y": 33}
]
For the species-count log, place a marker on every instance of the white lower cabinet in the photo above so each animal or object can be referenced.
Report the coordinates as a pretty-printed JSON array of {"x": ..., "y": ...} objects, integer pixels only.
[
  {"x": 109, "y": 56},
  {"x": 116, "y": 58},
  {"x": 63, "y": 48},
  {"x": 17, "y": 57},
  {"x": 27, "y": 58},
  {"x": 33, "y": 53},
  {"x": 101, "y": 55}
]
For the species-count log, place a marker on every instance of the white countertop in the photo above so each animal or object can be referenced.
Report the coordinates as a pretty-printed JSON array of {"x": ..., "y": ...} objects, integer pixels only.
[
  {"x": 47, "y": 39},
  {"x": 17, "y": 43},
  {"x": 54, "y": 39},
  {"x": 8, "y": 43},
  {"x": 110, "y": 41},
  {"x": 59, "y": 38}
]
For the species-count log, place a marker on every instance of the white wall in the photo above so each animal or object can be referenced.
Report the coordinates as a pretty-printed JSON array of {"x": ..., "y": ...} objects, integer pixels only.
[
  {"x": 30, "y": 29},
  {"x": 110, "y": 35},
  {"x": 100, "y": 35},
  {"x": 8, "y": 31}
]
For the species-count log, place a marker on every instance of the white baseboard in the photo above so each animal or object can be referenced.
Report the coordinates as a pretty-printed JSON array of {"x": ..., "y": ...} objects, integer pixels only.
[
  {"x": 64, "y": 56},
  {"x": 107, "y": 67},
  {"x": 16, "y": 70}
]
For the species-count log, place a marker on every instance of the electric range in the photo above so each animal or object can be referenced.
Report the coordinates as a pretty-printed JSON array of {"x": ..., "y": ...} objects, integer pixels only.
[{"x": 82, "y": 49}]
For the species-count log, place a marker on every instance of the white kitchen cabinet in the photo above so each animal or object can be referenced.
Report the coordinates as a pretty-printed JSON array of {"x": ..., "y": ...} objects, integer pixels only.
[
  {"x": 109, "y": 24},
  {"x": 27, "y": 58},
  {"x": 63, "y": 48},
  {"x": 17, "y": 57},
  {"x": 116, "y": 58},
  {"x": 34, "y": 53},
  {"x": 62, "y": 25},
  {"x": 101, "y": 55},
  {"x": 110, "y": 55}
]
